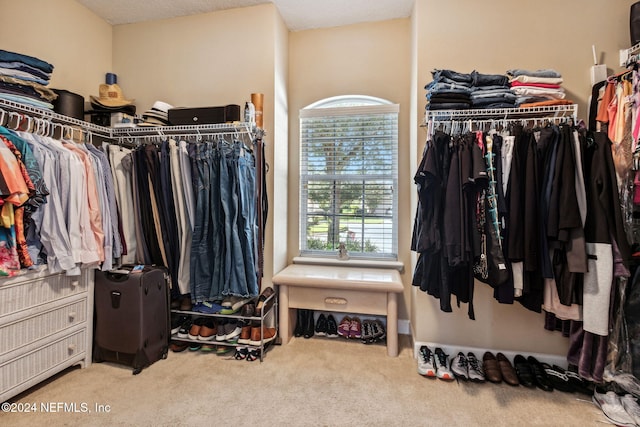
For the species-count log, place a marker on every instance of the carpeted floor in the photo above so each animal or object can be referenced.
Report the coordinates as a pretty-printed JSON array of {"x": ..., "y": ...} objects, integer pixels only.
[{"x": 314, "y": 382}]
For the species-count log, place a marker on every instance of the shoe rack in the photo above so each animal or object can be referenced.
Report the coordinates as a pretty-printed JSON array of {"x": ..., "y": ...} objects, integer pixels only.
[{"x": 268, "y": 309}]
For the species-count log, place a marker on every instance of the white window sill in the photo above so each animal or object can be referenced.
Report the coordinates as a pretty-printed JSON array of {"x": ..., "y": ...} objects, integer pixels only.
[{"x": 396, "y": 265}]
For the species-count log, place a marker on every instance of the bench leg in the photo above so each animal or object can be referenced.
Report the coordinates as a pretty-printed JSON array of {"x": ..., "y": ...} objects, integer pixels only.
[
  {"x": 285, "y": 318},
  {"x": 392, "y": 324}
]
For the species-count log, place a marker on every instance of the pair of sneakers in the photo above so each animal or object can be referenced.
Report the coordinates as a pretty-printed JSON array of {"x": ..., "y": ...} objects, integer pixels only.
[
  {"x": 467, "y": 367},
  {"x": 619, "y": 410},
  {"x": 373, "y": 331},
  {"x": 229, "y": 330},
  {"x": 434, "y": 364},
  {"x": 249, "y": 354},
  {"x": 350, "y": 327},
  {"x": 326, "y": 326}
]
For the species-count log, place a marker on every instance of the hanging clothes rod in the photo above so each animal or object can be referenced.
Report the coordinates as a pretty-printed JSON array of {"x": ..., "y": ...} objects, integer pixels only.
[
  {"x": 40, "y": 126},
  {"x": 48, "y": 115}
]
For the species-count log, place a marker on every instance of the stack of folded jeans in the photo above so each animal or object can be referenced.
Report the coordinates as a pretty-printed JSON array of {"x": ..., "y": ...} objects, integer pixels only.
[
  {"x": 491, "y": 91},
  {"x": 449, "y": 90},
  {"x": 537, "y": 88},
  {"x": 24, "y": 79}
]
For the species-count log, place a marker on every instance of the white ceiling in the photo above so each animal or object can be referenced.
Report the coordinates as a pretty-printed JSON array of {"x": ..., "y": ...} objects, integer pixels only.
[{"x": 297, "y": 14}]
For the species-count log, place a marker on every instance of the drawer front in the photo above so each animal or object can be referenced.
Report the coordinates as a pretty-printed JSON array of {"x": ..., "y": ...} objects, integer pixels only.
[
  {"x": 32, "y": 328},
  {"x": 30, "y": 290},
  {"x": 346, "y": 301},
  {"x": 28, "y": 366}
]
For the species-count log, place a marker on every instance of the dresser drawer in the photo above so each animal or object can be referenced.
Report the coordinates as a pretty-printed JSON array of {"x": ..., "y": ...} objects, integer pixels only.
[
  {"x": 33, "y": 289},
  {"x": 34, "y": 326},
  {"x": 342, "y": 300},
  {"x": 53, "y": 356}
]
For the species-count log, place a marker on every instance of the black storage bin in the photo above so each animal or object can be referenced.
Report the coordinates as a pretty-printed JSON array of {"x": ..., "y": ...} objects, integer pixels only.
[{"x": 204, "y": 115}]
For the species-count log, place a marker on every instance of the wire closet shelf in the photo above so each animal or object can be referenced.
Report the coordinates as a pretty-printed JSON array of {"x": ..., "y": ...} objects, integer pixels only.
[
  {"x": 630, "y": 56},
  {"x": 235, "y": 128},
  {"x": 551, "y": 111}
]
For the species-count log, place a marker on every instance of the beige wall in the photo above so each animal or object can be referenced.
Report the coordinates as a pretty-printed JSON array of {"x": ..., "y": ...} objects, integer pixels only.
[
  {"x": 492, "y": 37},
  {"x": 214, "y": 59},
  {"x": 363, "y": 59},
  {"x": 279, "y": 210},
  {"x": 197, "y": 61},
  {"x": 65, "y": 34}
]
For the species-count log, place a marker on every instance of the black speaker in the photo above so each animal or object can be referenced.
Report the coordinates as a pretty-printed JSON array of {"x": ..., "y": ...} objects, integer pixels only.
[{"x": 634, "y": 23}]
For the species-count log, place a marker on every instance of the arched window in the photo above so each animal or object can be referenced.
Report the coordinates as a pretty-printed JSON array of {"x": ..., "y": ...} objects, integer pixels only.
[{"x": 349, "y": 177}]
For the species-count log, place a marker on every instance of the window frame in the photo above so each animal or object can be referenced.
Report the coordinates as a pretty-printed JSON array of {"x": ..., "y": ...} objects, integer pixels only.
[{"x": 344, "y": 106}]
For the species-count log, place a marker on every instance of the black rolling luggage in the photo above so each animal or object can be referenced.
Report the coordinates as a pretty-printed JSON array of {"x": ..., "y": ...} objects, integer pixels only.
[{"x": 132, "y": 325}]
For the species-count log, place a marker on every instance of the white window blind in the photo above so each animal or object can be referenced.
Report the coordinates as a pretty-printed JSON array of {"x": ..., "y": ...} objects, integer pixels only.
[{"x": 349, "y": 180}]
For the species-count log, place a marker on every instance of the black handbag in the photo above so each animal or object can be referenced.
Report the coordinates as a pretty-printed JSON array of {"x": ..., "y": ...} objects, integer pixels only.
[{"x": 634, "y": 23}]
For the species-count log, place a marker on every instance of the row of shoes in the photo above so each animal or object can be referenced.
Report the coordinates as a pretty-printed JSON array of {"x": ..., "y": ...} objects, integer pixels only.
[
  {"x": 241, "y": 352},
  {"x": 528, "y": 372},
  {"x": 621, "y": 409},
  {"x": 351, "y": 327},
  {"x": 232, "y": 331},
  {"x": 306, "y": 326},
  {"x": 231, "y": 304},
  {"x": 369, "y": 331}
]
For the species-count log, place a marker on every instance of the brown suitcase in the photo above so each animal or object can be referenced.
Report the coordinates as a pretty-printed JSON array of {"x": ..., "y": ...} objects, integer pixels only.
[{"x": 132, "y": 316}]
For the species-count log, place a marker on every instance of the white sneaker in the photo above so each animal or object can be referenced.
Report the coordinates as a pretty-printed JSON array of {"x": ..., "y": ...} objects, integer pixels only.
[
  {"x": 476, "y": 373},
  {"x": 426, "y": 362},
  {"x": 630, "y": 404},
  {"x": 442, "y": 365},
  {"x": 459, "y": 366},
  {"x": 612, "y": 408}
]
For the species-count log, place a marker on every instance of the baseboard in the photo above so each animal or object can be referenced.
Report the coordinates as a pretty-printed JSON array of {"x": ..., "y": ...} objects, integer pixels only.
[
  {"x": 451, "y": 350},
  {"x": 404, "y": 327}
]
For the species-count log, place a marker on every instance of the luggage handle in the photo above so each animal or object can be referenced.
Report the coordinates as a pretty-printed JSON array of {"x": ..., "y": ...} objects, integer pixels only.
[
  {"x": 117, "y": 275},
  {"x": 115, "y": 299}
]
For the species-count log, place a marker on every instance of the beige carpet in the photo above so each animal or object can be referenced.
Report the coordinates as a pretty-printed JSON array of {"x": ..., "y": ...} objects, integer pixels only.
[{"x": 315, "y": 382}]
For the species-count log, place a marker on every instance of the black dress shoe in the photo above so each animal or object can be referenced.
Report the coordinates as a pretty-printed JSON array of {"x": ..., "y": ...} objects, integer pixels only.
[
  {"x": 301, "y": 321},
  {"x": 541, "y": 379},
  {"x": 309, "y": 325},
  {"x": 558, "y": 379},
  {"x": 524, "y": 371}
]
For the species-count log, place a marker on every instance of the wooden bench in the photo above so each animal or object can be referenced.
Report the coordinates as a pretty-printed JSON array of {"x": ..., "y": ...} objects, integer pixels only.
[{"x": 360, "y": 290}]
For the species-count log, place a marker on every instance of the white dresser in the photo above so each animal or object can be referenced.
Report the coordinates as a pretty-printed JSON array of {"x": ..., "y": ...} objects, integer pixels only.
[{"x": 46, "y": 325}]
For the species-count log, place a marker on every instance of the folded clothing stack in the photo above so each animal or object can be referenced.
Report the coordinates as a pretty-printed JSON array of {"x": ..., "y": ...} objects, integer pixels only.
[
  {"x": 24, "y": 79},
  {"x": 537, "y": 88},
  {"x": 451, "y": 90},
  {"x": 491, "y": 91}
]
